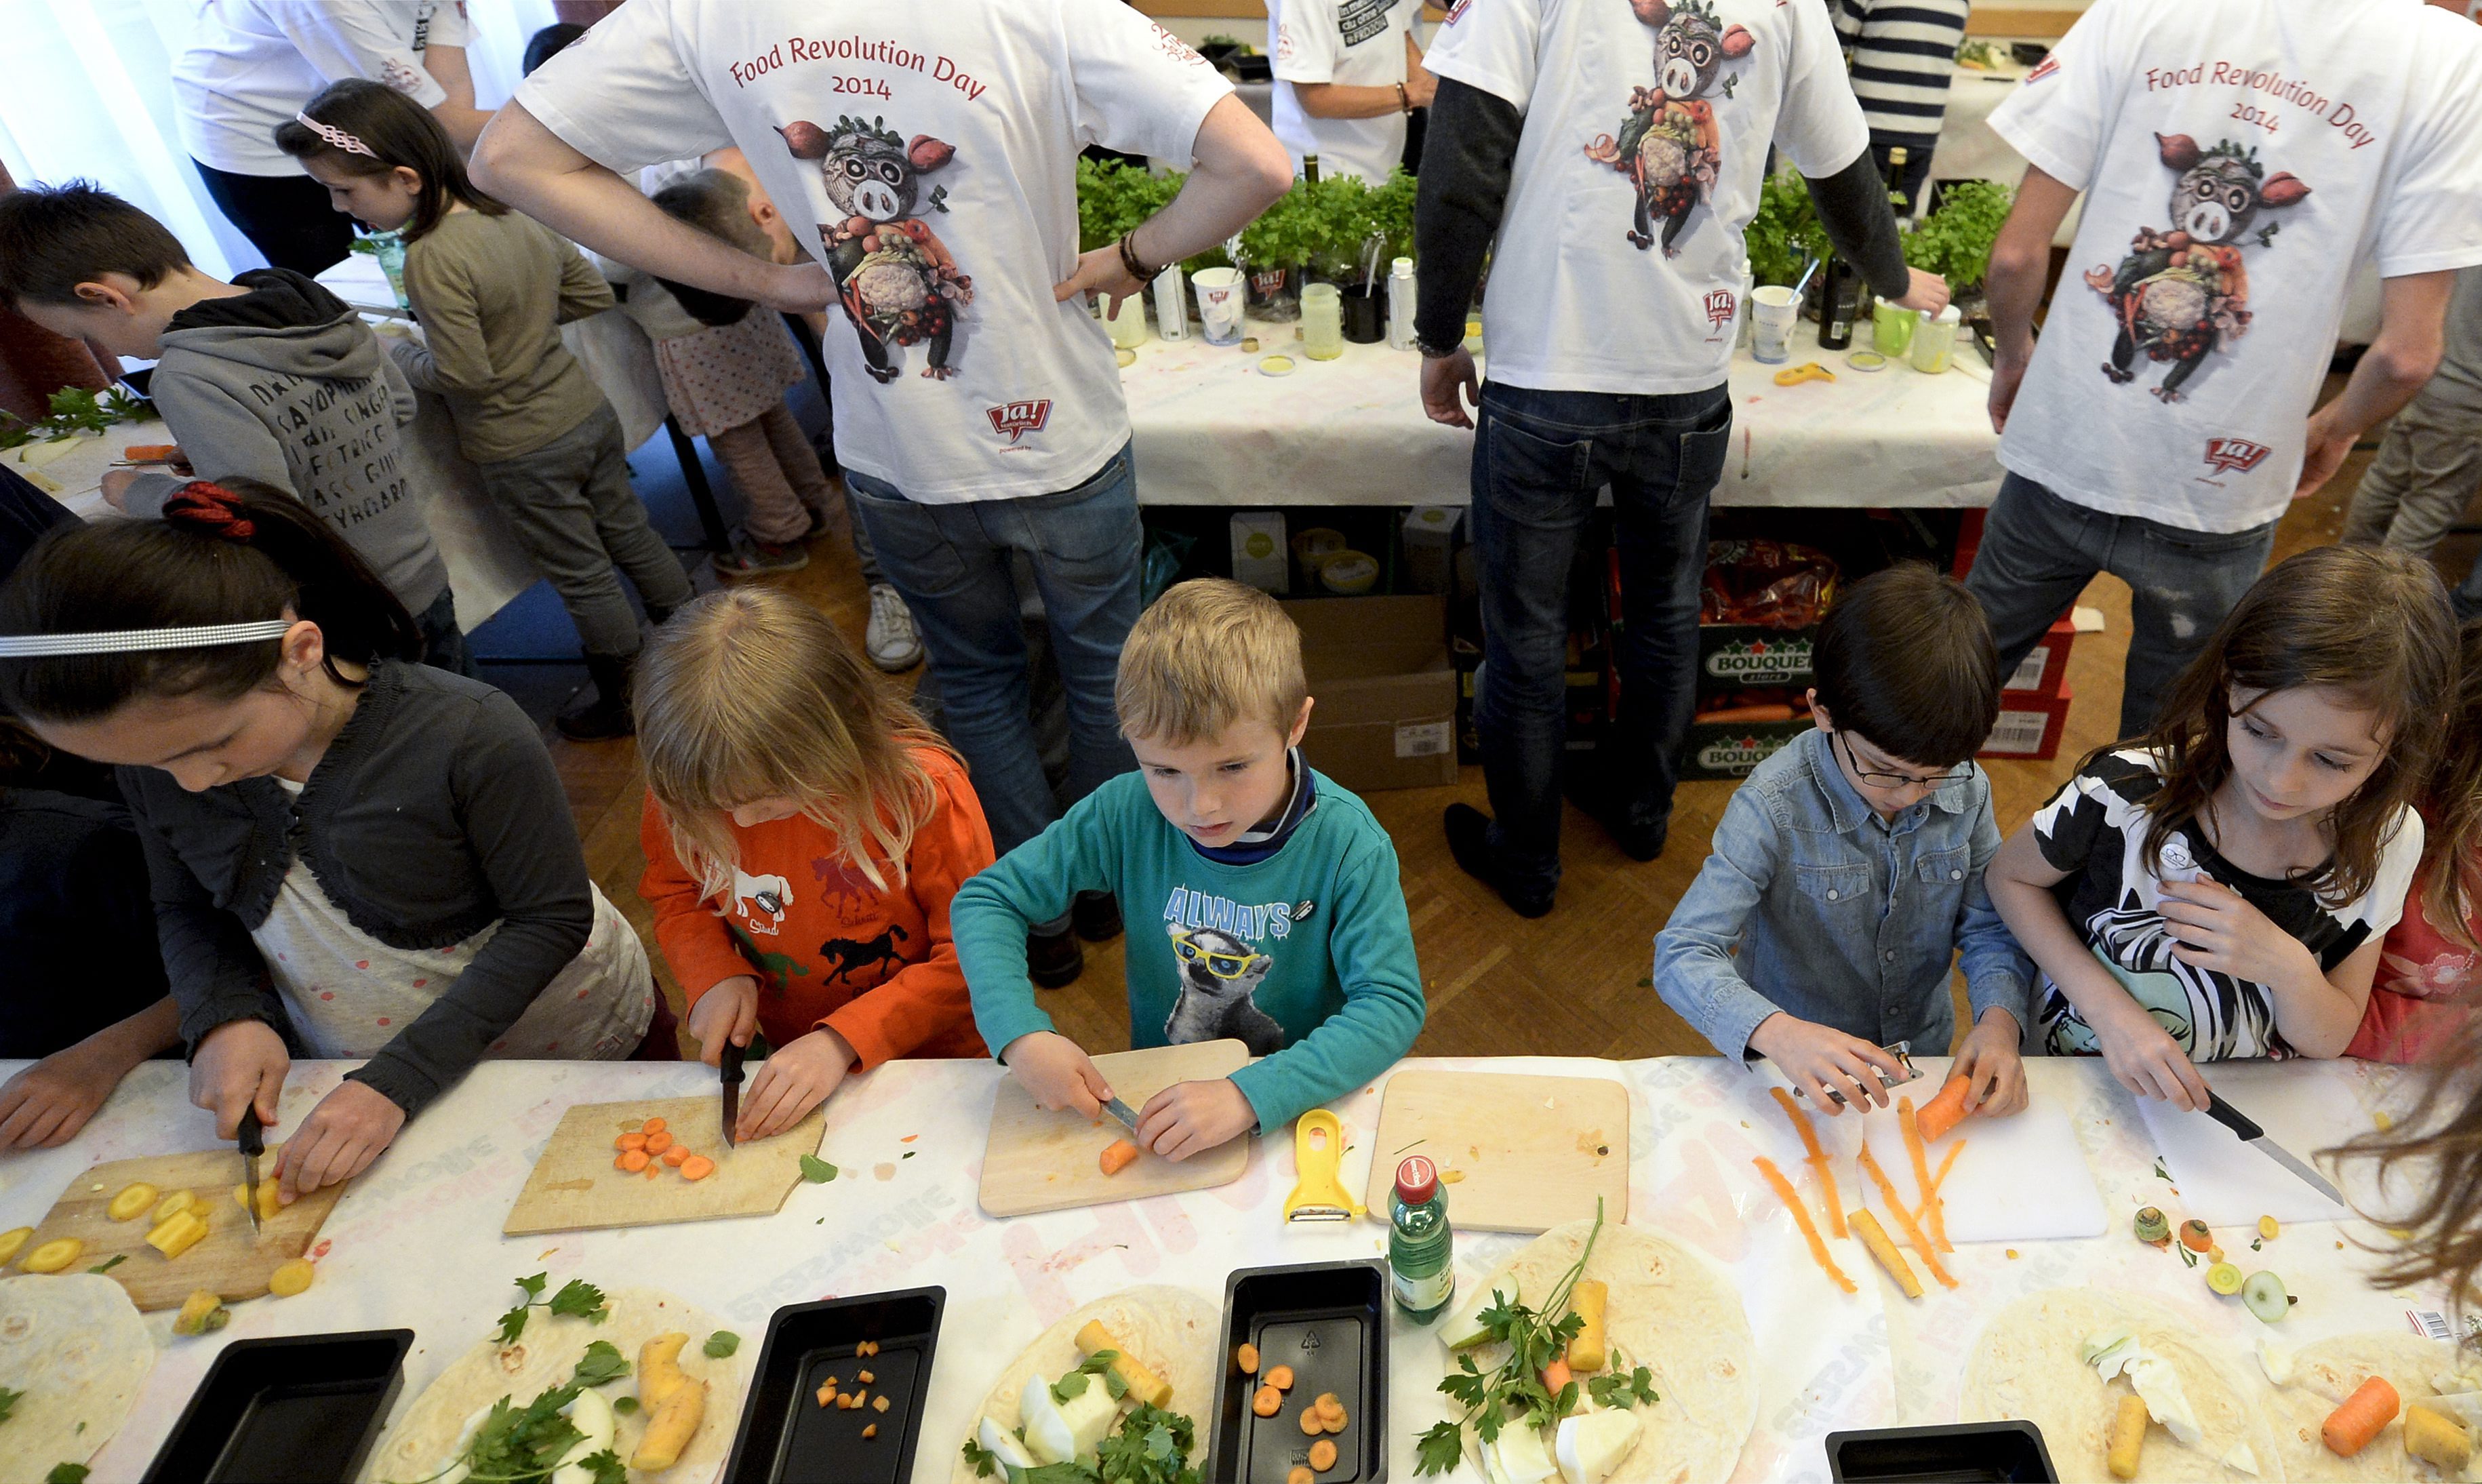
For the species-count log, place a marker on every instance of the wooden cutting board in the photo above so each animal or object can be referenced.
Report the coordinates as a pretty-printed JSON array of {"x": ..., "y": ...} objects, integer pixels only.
[
  {"x": 229, "y": 1259},
  {"x": 1038, "y": 1161},
  {"x": 1516, "y": 1153},
  {"x": 575, "y": 1188}
]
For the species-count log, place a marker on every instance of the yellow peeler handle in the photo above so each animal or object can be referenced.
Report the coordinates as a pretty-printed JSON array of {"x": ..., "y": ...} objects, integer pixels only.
[{"x": 1319, "y": 1147}]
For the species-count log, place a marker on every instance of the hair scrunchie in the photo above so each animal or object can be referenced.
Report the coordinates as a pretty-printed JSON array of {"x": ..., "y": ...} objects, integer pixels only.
[{"x": 207, "y": 507}]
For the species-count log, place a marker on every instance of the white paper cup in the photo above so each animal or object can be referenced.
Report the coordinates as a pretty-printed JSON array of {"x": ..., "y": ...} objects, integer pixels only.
[
  {"x": 1219, "y": 303},
  {"x": 1772, "y": 314}
]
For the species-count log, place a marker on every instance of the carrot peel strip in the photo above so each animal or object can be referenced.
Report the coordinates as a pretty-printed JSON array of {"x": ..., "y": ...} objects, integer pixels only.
[
  {"x": 1922, "y": 1245},
  {"x": 1936, "y": 1203},
  {"x": 1816, "y": 1159},
  {"x": 1935, "y": 1219},
  {"x": 1791, "y": 1199}
]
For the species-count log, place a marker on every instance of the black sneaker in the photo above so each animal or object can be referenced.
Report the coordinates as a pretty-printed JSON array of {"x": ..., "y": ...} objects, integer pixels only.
[
  {"x": 1053, "y": 958},
  {"x": 1638, "y": 843},
  {"x": 1470, "y": 842},
  {"x": 1095, "y": 915}
]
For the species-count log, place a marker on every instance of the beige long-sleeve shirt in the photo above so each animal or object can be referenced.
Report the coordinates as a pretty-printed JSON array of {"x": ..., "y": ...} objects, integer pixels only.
[{"x": 492, "y": 294}]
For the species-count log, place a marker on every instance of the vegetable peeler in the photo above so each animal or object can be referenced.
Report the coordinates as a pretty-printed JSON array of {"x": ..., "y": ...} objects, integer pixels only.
[
  {"x": 1318, "y": 1146},
  {"x": 1902, "y": 1052}
]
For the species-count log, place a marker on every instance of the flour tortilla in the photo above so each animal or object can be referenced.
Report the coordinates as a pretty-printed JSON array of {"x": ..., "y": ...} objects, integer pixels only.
[
  {"x": 2026, "y": 1365},
  {"x": 428, "y": 1432},
  {"x": 2328, "y": 1371},
  {"x": 1174, "y": 1332},
  {"x": 74, "y": 1344},
  {"x": 1671, "y": 1313}
]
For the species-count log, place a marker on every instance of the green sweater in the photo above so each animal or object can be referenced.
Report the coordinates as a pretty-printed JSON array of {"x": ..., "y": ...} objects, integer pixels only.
[{"x": 1306, "y": 956}]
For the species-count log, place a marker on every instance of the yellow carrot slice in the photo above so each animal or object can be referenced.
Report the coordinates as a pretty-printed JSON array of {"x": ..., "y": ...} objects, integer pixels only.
[
  {"x": 1791, "y": 1199},
  {"x": 1816, "y": 1159},
  {"x": 1910, "y": 1123},
  {"x": 1923, "y": 1246}
]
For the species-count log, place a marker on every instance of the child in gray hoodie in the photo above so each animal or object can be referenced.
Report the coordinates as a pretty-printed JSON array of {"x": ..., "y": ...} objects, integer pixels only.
[{"x": 268, "y": 378}]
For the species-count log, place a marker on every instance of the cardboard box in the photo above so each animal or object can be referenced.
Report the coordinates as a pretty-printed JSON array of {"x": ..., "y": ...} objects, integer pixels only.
[
  {"x": 1743, "y": 656},
  {"x": 1729, "y": 750},
  {"x": 1259, "y": 557},
  {"x": 2044, "y": 669},
  {"x": 1387, "y": 713},
  {"x": 2029, "y": 727}
]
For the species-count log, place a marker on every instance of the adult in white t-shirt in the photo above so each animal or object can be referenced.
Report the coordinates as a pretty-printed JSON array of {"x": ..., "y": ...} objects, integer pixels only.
[
  {"x": 1347, "y": 77},
  {"x": 928, "y": 155},
  {"x": 252, "y": 64},
  {"x": 2239, "y": 159},
  {"x": 1615, "y": 152}
]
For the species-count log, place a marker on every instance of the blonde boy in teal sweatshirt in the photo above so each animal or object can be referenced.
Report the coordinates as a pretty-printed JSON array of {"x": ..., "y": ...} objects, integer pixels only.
[{"x": 1278, "y": 916}]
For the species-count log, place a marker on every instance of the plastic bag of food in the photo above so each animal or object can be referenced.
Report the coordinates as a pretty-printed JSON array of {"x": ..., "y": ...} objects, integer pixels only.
[{"x": 1772, "y": 584}]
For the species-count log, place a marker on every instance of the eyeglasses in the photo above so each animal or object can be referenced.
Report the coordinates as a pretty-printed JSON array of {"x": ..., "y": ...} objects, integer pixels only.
[
  {"x": 1900, "y": 779},
  {"x": 1222, "y": 965}
]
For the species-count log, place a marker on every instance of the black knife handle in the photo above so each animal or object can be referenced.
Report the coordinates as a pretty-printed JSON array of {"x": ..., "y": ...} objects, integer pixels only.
[
  {"x": 2236, "y": 1119},
  {"x": 729, "y": 1063},
  {"x": 248, "y": 1135}
]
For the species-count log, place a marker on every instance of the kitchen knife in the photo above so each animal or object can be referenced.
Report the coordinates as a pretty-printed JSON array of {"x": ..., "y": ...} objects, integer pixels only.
[
  {"x": 2255, "y": 1137},
  {"x": 252, "y": 1143},
  {"x": 1122, "y": 1114},
  {"x": 730, "y": 1069}
]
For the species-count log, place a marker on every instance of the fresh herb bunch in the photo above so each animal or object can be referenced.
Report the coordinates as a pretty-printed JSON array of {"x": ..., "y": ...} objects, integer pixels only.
[
  {"x": 76, "y": 411},
  {"x": 1392, "y": 214},
  {"x": 1287, "y": 233},
  {"x": 1785, "y": 233},
  {"x": 1152, "y": 1446},
  {"x": 576, "y": 1297},
  {"x": 523, "y": 1445},
  {"x": 1955, "y": 240},
  {"x": 1513, "y": 1394},
  {"x": 1113, "y": 196}
]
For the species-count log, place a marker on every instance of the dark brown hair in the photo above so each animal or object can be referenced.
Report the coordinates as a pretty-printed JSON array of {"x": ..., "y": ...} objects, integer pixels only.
[
  {"x": 54, "y": 238},
  {"x": 2453, "y": 847},
  {"x": 401, "y": 132},
  {"x": 2442, "y": 1137},
  {"x": 248, "y": 554},
  {"x": 717, "y": 202},
  {"x": 1906, "y": 661},
  {"x": 2372, "y": 623}
]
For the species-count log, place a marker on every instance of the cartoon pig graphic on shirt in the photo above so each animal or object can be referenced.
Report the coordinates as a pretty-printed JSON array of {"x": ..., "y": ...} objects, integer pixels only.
[
  {"x": 1669, "y": 147},
  {"x": 2183, "y": 293},
  {"x": 897, "y": 282}
]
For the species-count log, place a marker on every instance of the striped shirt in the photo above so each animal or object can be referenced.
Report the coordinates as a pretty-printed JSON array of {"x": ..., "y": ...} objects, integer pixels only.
[{"x": 1903, "y": 52}]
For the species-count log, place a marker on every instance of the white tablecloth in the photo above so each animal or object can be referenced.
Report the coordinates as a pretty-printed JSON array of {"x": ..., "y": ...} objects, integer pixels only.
[
  {"x": 415, "y": 1243},
  {"x": 1209, "y": 429}
]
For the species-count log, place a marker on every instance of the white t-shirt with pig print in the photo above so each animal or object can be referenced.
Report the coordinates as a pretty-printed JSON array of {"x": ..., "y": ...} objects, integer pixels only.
[
  {"x": 2239, "y": 158},
  {"x": 1618, "y": 265},
  {"x": 927, "y": 156}
]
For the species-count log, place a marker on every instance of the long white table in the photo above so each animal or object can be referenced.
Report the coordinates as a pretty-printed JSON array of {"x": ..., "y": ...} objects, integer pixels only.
[
  {"x": 415, "y": 1241},
  {"x": 1209, "y": 429}
]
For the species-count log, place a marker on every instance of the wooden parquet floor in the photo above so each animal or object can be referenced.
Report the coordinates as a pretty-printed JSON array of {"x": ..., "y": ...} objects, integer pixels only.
[{"x": 1574, "y": 983}]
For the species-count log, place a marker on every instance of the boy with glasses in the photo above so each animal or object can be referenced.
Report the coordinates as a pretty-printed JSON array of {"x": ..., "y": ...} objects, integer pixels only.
[{"x": 1847, "y": 870}]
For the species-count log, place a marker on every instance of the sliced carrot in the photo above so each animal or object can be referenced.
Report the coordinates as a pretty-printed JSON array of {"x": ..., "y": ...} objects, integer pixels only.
[
  {"x": 1924, "y": 1247},
  {"x": 1817, "y": 1158},
  {"x": 1119, "y": 1157},
  {"x": 621, "y": 1161},
  {"x": 1556, "y": 1375},
  {"x": 1322, "y": 1455},
  {"x": 652, "y": 1125},
  {"x": 1281, "y": 1377},
  {"x": 658, "y": 1142},
  {"x": 676, "y": 1154},
  {"x": 696, "y": 1167},
  {"x": 1910, "y": 1123},
  {"x": 630, "y": 1141},
  {"x": 1300, "y": 1474},
  {"x": 2350, "y": 1427},
  {"x": 632, "y": 1160},
  {"x": 1267, "y": 1401},
  {"x": 1313, "y": 1421},
  {"x": 1328, "y": 1405},
  {"x": 1791, "y": 1199},
  {"x": 1945, "y": 1110},
  {"x": 653, "y": 1169},
  {"x": 1247, "y": 1358}
]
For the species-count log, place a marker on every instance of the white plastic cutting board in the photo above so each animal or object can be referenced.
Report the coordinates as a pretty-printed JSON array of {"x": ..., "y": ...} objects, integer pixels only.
[
  {"x": 2022, "y": 1178},
  {"x": 2304, "y": 1105}
]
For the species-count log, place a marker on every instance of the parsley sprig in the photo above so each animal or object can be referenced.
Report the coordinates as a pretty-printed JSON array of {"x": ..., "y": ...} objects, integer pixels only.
[
  {"x": 1152, "y": 1446},
  {"x": 523, "y": 1445},
  {"x": 1513, "y": 1393},
  {"x": 1099, "y": 1364},
  {"x": 9, "y": 1400},
  {"x": 576, "y": 1297}
]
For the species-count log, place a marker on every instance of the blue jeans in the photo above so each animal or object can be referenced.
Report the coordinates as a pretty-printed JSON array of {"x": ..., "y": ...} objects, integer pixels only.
[
  {"x": 2038, "y": 551},
  {"x": 1539, "y": 458},
  {"x": 951, "y": 564}
]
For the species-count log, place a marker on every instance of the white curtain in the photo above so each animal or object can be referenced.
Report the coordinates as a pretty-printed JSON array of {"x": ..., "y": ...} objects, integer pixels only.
[{"x": 89, "y": 95}]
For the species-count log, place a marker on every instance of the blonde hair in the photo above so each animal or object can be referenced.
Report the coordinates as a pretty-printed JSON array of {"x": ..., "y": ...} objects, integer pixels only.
[
  {"x": 1209, "y": 653},
  {"x": 750, "y": 692}
]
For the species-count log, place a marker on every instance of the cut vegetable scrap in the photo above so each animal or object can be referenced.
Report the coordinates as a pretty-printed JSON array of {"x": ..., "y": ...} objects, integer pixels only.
[
  {"x": 2350, "y": 1427},
  {"x": 53, "y": 1256},
  {"x": 1935, "y": 1219},
  {"x": 13, "y": 1239},
  {"x": 1924, "y": 1247},
  {"x": 1247, "y": 1358},
  {"x": 1875, "y": 1237},
  {"x": 696, "y": 1167},
  {"x": 1791, "y": 1199},
  {"x": 291, "y": 1278},
  {"x": 1945, "y": 1110},
  {"x": 1118, "y": 1155},
  {"x": 1816, "y": 1156}
]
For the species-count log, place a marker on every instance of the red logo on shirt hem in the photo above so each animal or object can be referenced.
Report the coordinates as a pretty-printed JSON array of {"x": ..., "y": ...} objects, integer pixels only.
[
  {"x": 2235, "y": 456},
  {"x": 2044, "y": 69},
  {"x": 1020, "y": 418},
  {"x": 1457, "y": 11}
]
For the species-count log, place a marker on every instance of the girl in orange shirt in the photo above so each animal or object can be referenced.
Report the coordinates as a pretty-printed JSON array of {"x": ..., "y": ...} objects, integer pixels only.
[{"x": 804, "y": 833}]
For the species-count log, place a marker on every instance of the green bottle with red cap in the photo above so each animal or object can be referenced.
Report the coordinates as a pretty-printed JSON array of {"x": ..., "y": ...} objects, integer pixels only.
[{"x": 1418, "y": 1242}]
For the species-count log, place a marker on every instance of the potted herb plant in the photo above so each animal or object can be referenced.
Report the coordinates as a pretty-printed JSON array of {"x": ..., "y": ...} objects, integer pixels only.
[
  {"x": 1955, "y": 240},
  {"x": 1274, "y": 250}
]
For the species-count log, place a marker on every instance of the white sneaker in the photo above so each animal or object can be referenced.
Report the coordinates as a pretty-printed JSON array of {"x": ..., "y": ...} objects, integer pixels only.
[{"x": 890, "y": 641}]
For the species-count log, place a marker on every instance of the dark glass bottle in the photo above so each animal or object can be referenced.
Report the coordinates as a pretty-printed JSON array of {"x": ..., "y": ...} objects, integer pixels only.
[{"x": 1836, "y": 304}]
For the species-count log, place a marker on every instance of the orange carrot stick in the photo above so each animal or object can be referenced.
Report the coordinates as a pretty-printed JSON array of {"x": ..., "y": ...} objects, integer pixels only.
[
  {"x": 1791, "y": 1199},
  {"x": 1910, "y": 1123},
  {"x": 1817, "y": 1160},
  {"x": 1117, "y": 1157},
  {"x": 1945, "y": 1109},
  {"x": 1923, "y": 1246},
  {"x": 2350, "y": 1427}
]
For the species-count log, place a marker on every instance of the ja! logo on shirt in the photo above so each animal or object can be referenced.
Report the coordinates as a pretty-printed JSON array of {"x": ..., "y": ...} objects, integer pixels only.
[
  {"x": 1017, "y": 419},
  {"x": 2235, "y": 456}
]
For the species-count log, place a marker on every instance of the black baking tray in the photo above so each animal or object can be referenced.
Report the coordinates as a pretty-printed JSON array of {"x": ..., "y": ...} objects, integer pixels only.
[
  {"x": 298, "y": 1409},
  {"x": 1960, "y": 1453},
  {"x": 787, "y": 1438},
  {"x": 1329, "y": 1322}
]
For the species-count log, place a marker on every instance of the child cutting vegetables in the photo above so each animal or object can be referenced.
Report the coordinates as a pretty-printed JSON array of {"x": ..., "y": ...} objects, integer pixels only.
[
  {"x": 1281, "y": 922},
  {"x": 1847, "y": 871},
  {"x": 804, "y": 834},
  {"x": 2222, "y": 885}
]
